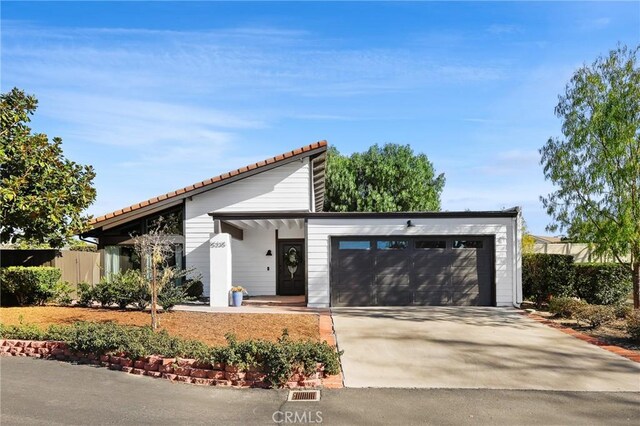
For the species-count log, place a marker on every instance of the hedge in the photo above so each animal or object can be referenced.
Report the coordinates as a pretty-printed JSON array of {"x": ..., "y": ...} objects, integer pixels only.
[
  {"x": 603, "y": 283},
  {"x": 30, "y": 284},
  {"x": 278, "y": 359},
  {"x": 547, "y": 275}
]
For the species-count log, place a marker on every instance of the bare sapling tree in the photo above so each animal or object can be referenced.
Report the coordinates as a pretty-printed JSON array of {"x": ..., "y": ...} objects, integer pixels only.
[{"x": 155, "y": 248}]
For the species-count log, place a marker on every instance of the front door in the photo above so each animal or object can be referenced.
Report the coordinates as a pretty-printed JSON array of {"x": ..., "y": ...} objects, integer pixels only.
[{"x": 291, "y": 276}]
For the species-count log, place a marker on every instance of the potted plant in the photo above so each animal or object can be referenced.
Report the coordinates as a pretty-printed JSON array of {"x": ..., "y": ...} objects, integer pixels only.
[{"x": 236, "y": 295}]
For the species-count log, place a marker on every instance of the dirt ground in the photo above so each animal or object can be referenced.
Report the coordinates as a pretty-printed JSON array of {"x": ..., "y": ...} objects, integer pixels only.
[
  {"x": 207, "y": 327},
  {"x": 613, "y": 333}
]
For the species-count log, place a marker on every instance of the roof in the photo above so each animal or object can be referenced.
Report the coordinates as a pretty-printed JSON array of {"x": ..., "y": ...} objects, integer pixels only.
[
  {"x": 175, "y": 197},
  {"x": 512, "y": 212}
]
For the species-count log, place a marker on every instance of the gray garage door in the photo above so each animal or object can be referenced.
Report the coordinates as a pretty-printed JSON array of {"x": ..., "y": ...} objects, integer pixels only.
[{"x": 398, "y": 271}]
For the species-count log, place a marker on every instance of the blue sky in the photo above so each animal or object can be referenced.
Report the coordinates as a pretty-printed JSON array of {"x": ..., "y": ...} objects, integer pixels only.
[{"x": 157, "y": 96}]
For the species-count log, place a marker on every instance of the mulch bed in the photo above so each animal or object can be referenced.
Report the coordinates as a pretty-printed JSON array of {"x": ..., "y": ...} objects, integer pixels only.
[
  {"x": 623, "y": 346},
  {"x": 206, "y": 327}
]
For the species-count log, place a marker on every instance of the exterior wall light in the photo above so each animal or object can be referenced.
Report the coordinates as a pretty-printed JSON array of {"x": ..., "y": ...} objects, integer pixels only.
[{"x": 269, "y": 253}]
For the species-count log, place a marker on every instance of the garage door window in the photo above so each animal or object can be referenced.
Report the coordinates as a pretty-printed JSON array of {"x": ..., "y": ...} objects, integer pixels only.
[
  {"x": 472, "y": 244},
  {"x": 354, "y": 245},
  {"x": 392, "y": 245},
  {"x": 421, "y": 244}
]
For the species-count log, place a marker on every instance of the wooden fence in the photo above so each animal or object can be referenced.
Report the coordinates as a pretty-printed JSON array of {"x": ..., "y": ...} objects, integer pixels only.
[{"x": 75, "y": 266}]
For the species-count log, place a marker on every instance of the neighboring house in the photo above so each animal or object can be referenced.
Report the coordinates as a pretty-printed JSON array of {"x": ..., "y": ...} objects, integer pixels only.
[{"x": 262, "y": 227}]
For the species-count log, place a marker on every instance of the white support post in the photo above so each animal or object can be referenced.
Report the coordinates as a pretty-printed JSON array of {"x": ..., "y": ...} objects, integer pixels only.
[{"x": 220, "y": 270}]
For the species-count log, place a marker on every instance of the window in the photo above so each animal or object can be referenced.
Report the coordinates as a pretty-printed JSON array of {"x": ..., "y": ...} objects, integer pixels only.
[
  {"x": 170, "y": 221},
  {"x": 354, "y": 245},
  {"x": 430, "y": 244},
  {"x": 472, "y": 244},
  {"x": 392, "y": 245}
]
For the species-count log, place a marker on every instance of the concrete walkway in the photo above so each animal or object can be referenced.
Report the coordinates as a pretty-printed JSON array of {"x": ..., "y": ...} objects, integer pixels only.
[{"x": 455, "y": 347}]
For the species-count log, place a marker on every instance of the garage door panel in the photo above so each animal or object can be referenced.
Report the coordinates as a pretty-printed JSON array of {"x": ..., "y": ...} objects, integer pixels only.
[
  {"x": 393, "y": 280},
  {"x": 453, "y": 270},
  {"x": 354, "y": 260},
  {"x": 430, "y": 262},
  {"x": 394, "y": 298},
  {"x": 394, "y": 260},
  {"x": 432, "y": 297},
  {"x": 431, "y": 281},
  {"x": 352, "y": 298}
]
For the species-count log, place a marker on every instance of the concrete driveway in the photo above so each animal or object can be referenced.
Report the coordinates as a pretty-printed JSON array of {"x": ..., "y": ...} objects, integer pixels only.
[{"x": 469, "y": 347}]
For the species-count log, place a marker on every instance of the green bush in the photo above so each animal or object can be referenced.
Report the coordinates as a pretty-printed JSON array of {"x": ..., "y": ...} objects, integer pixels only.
[
  {"x": 279, "y": 360},
  {"x": 129, "y": 288},
  {"x": 172, "y": 295},
  {"x": 105, "y": 292},
  {"x": 633, "y": 325},
  {"x": 603, "y": 283},
  {"x": 547, "y": 275},
  {"x": 86, "y": 294},
  {"x": 595, "y": 315},
  {"x": 565, "y": 307},
  {"x": 30, "y": 284},
  {"x": 195, "y": 289},
  {"x": 62, "y": 291}
]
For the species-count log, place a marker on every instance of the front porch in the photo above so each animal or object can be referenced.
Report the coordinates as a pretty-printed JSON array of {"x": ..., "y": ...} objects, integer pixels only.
[
  {"x": 264, "y": 255},
  {"x": 256, "y": 305}
]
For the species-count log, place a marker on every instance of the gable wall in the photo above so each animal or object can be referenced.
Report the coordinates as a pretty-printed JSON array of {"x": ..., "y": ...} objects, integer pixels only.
[{"x": 284, "y": 188}]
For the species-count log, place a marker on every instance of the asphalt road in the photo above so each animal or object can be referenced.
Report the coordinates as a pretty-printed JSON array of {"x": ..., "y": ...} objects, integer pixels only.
[{"x": 38, "y": 392}]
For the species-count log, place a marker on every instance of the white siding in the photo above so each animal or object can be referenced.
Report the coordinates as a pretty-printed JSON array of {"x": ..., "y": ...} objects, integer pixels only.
[
  {"x": 250, "y": 262},
  {"x": 284, "y": 188},
  {"x": 507, "y": 254}
]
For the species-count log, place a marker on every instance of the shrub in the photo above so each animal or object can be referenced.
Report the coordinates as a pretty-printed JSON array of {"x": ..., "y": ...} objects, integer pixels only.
[
  {"x": 547, "y": 275},
  {"x": 30, "y": 284},
  {"x": 279, "y": 360},
  {"x": 633, "y": 325},
  {"x": 86, "y": 294},
  {"x": 603, "y": 283},
  {"x": 172, "y": 295},
  {"x": 565, "y": 307},
  {"x": 195, "y": 289},
  {"x": 105, "y": 292},
  {"x": 62, "y": 291},
  {"x": 129, "y": 288},
  {"x": 595, "y": 315}
]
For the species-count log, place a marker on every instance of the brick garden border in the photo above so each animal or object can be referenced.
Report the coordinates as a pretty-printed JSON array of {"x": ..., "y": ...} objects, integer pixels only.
[
  {"x": 174, "y": 369},
  {"x": 327, "y": 334},
  {"x": 626, "y": 353}
]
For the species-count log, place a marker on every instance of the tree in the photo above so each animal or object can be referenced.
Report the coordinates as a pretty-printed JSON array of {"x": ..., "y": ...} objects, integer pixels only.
[
  {"x": 596, "y": 165},
  {"x": 382, "y": 179},
  {"x": 42, "y": 194},
  {"x": 155, "y": 249}
]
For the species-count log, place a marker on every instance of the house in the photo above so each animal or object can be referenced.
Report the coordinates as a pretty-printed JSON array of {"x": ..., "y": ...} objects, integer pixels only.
[{"x": 262, "y": 227}]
